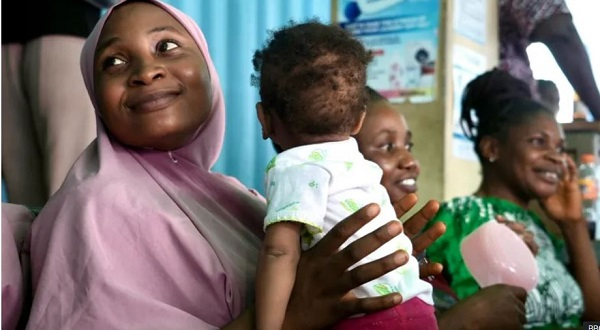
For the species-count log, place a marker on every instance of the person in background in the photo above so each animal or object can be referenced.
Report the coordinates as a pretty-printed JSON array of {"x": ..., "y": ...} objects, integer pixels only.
[
  {"x": 47, "y": 118},
  {"x": 521, "y": 150},
  {"x": 142, "y": 234},
  {"x": 523, "y": 22},
  {"x": 312, "y": 101},
  {"x": 549, "y": 95},
  {"x": 386, "y": 139}
]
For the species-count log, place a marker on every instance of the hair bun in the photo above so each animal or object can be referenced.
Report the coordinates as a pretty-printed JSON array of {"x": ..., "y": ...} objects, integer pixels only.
[
  {"x": 488, "y": 95},
  {"x": 493, "y": 91},
  {"x": 494, "y": 101}
]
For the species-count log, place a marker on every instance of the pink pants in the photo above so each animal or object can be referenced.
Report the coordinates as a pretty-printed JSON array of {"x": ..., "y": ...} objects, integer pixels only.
[{"x": 413, "y": 314}]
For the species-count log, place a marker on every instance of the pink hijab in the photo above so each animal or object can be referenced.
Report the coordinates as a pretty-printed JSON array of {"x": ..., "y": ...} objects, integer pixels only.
[{"x": 144, "y": 239}]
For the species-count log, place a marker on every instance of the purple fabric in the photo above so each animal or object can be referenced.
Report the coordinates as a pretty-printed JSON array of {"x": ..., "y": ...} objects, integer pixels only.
[
  {"x": 517, "y": 20},
  {"x": 16, "y": 223},
  {"x": 12, "y": 281},
  {"x": 145, "y": 239}
]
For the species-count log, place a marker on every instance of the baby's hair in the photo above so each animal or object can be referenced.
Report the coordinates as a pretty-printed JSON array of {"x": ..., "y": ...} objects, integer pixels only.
[
  {"x": 494, "y": 102},
  {"x": 312, "y": 75}
]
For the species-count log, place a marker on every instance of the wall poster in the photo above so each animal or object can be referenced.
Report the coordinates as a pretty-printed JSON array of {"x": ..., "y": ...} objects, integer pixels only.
[
  {"x": 466, "y": 66},
  {"x": 403, "y": 37}
]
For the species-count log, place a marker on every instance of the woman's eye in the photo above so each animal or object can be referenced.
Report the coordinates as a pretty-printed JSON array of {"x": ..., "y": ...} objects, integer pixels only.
[
  {"x": 538, "y": 142},
  {"x": 409, "y": 146},
  {"x": 387, "y": 146},
  {"x": 112, "y": 61},
  {"x": 164, "y": 46}
]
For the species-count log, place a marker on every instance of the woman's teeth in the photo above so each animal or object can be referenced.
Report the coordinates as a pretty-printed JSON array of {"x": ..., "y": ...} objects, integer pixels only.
[
  {"x": 552, "y": 176},
  {"x": 408, "y": 182}
]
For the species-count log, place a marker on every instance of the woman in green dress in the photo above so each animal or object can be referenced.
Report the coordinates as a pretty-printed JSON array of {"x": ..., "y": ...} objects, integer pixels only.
[{"x": 520, "y": 148}]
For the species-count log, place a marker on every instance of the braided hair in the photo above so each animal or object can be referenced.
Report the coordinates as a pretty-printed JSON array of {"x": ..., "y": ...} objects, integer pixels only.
[{"x": 494, "y": 102}]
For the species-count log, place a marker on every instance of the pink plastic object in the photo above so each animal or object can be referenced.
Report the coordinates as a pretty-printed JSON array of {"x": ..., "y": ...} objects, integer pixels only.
[{"x": 495, "y": 254}]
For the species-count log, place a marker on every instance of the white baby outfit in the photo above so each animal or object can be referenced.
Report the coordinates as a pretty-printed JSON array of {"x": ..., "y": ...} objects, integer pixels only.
[{"x": 321, "y": 184}]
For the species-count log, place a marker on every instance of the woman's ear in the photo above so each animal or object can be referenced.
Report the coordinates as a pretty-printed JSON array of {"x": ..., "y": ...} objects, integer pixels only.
[
  {"x": 265, "y": 120},
  {"x": 489, "y": 148}
]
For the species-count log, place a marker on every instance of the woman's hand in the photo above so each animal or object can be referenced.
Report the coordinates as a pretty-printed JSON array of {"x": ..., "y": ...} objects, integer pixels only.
[
  {"x": 422, "y": 240},
  {"x": 519, "y": 229},
  {"x": 495, "y": 307},
  {"x": 321, "y": 295},
  {"x": 564, "y": 206}
]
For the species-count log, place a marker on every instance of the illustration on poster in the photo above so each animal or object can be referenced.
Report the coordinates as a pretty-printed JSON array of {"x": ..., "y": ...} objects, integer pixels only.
[
  {"x": 403, "y": 39},
  {"x": 415, "y": 76},
  {"x": 355, "y": 8}
]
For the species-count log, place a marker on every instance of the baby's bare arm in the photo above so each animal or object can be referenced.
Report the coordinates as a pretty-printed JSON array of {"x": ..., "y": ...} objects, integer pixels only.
[{"x": 276, "y": 273}]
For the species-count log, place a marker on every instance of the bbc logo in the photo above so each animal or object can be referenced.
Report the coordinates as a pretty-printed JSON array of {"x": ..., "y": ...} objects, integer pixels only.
[{"x": 591, "y": 325}]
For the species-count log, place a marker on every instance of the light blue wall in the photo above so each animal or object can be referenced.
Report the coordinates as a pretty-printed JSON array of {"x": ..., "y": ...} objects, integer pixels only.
[
  {"x": 234, "y": 29},
  {"x": 4, "y": 192}
]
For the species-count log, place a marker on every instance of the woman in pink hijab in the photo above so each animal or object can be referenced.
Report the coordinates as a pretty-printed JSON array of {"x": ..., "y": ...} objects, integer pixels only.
[{"x": 142, "y": 235}]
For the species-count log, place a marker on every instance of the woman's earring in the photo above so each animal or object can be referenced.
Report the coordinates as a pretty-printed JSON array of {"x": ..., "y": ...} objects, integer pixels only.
[{"x": 492, "y": 159}]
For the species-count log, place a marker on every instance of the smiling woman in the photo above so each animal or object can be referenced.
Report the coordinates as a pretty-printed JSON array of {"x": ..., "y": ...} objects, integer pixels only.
[
  {"x": 151, "y": 79},
  {"x": 150, "y": 228},
  {"x": 143, "y": 233},
  {"x": 386, "y": 140},
  {"x": 520, "y": 147}
]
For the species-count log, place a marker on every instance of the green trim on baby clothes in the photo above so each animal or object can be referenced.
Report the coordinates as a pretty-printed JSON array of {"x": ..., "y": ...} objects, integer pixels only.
[
  {"x": 350, "y": 205},
  {"x": 317, "y": 156}
]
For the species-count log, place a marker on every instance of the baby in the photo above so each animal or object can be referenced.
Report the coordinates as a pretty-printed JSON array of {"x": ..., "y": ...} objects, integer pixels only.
[{"x": 311, "y": 79}]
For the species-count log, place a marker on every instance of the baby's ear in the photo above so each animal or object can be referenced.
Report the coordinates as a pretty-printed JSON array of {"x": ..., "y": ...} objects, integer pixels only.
[
  {"x": 359, "y": 123},
  {"x": 265, "y": 120}
]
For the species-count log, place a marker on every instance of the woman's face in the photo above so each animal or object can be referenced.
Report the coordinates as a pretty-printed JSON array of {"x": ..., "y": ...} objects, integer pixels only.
[
  {"x": 386, "y": 140},
  {"x": 530, "y": 159},
  {"x": 151, "y": 81}
]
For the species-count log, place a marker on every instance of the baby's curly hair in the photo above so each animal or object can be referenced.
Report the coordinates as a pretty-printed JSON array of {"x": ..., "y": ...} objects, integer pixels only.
[{"x": 313, "y": 76}]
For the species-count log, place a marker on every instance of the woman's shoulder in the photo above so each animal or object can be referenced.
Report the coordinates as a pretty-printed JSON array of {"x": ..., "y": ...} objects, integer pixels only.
[
  {"x": 239, "y": 185},
  {"x": 96, "y": 195},
  {"x": 99, "y": 187}
]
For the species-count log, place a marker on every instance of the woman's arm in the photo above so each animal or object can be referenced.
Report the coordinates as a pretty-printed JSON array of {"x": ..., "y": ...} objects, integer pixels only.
[
  {"x": 324, "y": 282},
  {"x": 565, "y": 208},
  {"x": 584, "y": 265},
  {"x": 321, "y": 295},
  {"x": 322, "y": 275},
  {"x": 276, "y": 273},
  {"x": 495, "y": 307}
]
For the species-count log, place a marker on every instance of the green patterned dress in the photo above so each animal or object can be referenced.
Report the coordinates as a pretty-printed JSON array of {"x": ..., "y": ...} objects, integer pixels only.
[{"x": 556, "y": 302}]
